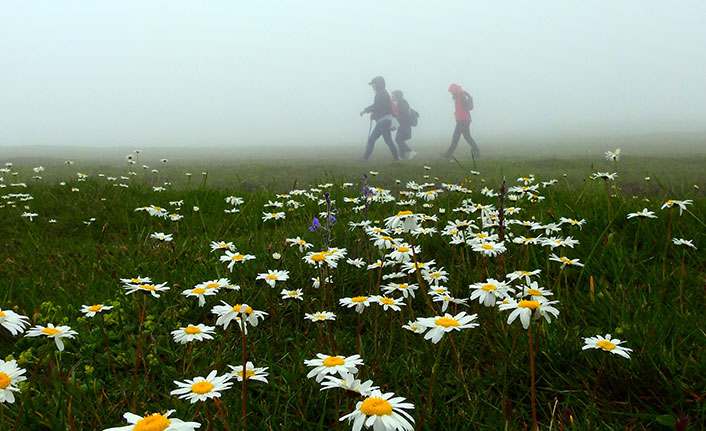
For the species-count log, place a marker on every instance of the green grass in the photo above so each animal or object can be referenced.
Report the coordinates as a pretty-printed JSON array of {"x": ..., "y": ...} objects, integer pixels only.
[{"x": 645, "y": 295}]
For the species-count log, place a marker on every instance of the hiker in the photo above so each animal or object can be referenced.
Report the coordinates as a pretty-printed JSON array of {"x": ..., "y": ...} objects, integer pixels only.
[
  {"x": 406, "y": 117},
  {"x": 381, "y": 112},
  {"x": 464, "y": 104}
]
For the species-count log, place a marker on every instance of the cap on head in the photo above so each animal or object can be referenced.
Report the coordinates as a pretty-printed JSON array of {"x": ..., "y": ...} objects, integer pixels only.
[{"x": 378, "y": 82}]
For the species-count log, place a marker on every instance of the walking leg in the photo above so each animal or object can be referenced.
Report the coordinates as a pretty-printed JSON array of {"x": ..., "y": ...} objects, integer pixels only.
[
  {"x": 387, "y": 136},
  {"x": 371, "y": 141},
  {"x": 471, "y": 142},
  {"x": 454, "y": 140}
]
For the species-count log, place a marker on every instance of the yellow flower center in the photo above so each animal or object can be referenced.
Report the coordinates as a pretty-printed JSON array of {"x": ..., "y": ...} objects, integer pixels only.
[
  {"x": 147, "y": 287},
  {"x": 387, "y": 301},
  {"x": 237, "y": 256},
  {"x": 248, "y": 374},
  {"x": 302, "y": 242},
  {"x": 446, "y": 322},
  {"x": 532, "y": 305},
  {"x": 376, "y": 407},
  {"x": 318, "y": 257},
  {"x": 212, "y": 285},
  {"x": 387, "y": 238},
  {"x": 135, "y": 280},
  {"x": 157, "y": 208},
  {"x": 155, "y": 422},
  {"x": 402, "y": 286},
  {"x": 333, "y": 361},
  {"x": 565, "y": 260},
  {"x": 481, "y": 235},
  {"x": 199, "y": 291},
  {"x": 292, "y": 294},
  {"x": 489, "y": 287},
  {"x": 202, "y": 387},
  {"x": 488, "y": 247},
  {"x": 320, "y": 316},
  {"x": 191, "y": 330},
  {"x": 95, "y": 308},
  {"x": 404, "y": 213},
  {"x": 403, "y": 249},
  {"x": 4, "y": 380},
  {"x": 272, "y": 277},
  {"x": 603, "y": 344},
  {"x": 237, "y": 308},
  {"x": 274, "y": 214},
  {"x": 359, "y": 299},
  {"x": 2, "y": 314},
  {"x": 50, "y": 331},
  {"x": 534, "y": 292}
]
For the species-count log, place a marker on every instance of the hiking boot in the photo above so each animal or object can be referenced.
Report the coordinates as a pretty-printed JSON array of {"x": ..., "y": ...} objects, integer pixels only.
[{"x": 411, "y": 155}]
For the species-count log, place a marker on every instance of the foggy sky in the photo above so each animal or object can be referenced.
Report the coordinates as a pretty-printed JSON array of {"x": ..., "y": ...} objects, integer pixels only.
[{"x": 138, "y": 73}]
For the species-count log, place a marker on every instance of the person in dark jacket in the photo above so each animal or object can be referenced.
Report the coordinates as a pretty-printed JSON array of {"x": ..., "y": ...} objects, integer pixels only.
[
  {"x": 404, "y": 131},
  {"x": 381, "y": 112},
  {"x": 463, "y": 121}
]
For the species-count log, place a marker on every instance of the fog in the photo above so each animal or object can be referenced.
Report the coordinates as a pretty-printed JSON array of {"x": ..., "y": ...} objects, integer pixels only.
[{"x": 286, "y": 74}]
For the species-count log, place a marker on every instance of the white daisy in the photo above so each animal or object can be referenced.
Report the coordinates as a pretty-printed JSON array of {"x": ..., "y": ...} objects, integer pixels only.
[
  {"x": 348, "y": 382},
  {"x": 439, "y": 325},
  {"x": 145, "y": 287},
  {"x": 13, "y": 322},
  {"x": 382, "y": 412},
  {"x": 488, "y": 292},
  {"x": 359, "y": 302},
  {"x": 227, "y": 313},
  {"x": 155, "y": 421},
  {"x": 92, "y": 310},
  {"x": 404, "y": 288},
  {"x": 50, "y": 331},
  {"x": 565, "y": 260},
  {"x": 607, "y": 344},
  {"x": 161, "y": 236},
  {"x": 10, "y": 376},
  {"x": 392, "y": 303},
  {"x": 320, "y": 316},
  {"x": 190, "y": 333},
  {"x": 234, "y": 257},
  {"x": 527, "y": 309},
  {"x": 292, "y": 294},
  {"x": 251, "y": 372},
  {"x": 273, "y": 276},
  {"x": 201, "y": 389},
  {"x": 645, "y": 213},
  {"x": 325, "y": 364}
]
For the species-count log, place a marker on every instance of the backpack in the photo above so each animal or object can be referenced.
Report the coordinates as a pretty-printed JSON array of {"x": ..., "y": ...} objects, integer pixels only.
[
  {"x": 393, "y": 108},
  {"x": 469, "y": 102},
  {"x": 413, "y": 117}
]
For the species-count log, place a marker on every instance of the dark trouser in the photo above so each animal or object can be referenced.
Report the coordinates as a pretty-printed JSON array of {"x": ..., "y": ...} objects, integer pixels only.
[
  {"x": 463, "y": 128},
  {"x": 403, "y": 134},
  {"x": 381, "y": 129}
]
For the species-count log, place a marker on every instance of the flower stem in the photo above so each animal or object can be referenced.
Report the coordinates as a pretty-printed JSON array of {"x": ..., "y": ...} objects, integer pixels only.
[
  {"x": 431, "y": 387},
  {"x": 534, "y": 400},
  {"x": 245, "y": 363},
  {"x": 460, "y": 368}
]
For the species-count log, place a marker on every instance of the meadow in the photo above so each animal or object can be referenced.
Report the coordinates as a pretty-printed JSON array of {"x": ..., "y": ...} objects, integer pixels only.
[{"x": 380, "y": 253}]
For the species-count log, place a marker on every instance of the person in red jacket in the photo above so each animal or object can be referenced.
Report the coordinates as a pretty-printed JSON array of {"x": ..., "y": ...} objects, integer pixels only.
[{"x": 464, "y": 104}]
